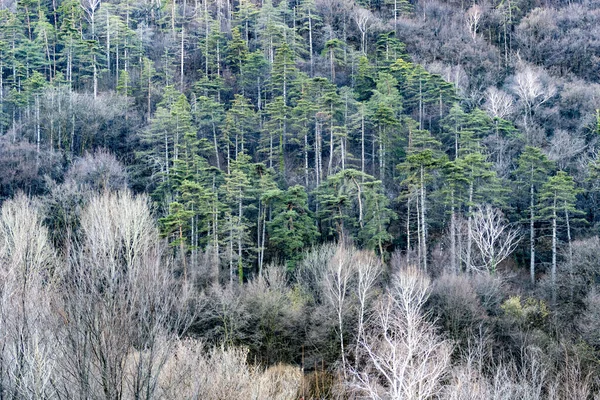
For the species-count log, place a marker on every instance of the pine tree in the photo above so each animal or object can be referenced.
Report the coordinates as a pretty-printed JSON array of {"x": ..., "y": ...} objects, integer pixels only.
[
  {"x": 557, "y": 205},
  {"x": 265, "y": 192},
  {"x": 160, "y": 142},
  {"x": 389, "y": 49},
  {"x": 293, "y": 228},
  {"x": 454, "y": 193},
  {"x": 255, "y": 76},
  {"x": 341, "y": 200},
  {"x": 240, "y": 125},
  {"x": 384, "y": 107},
  {"x": 188, "y": 186},
  {"x": 534, "y": 168},
  {"x": 272, "y": 30},
  {"x": 236, "y": 52},
  {"x": 246, "y": 18},
  {"x": 176, "y": 223},
  {"x": 378, "y": 215},
  {"x": 274, "y": 131},
  {"x": 45, "y": 37},
  {"x": 237, "y": 227},
  {"x": 209, "y": 118},
  {"x": 483, "y": 185},
  {"x": 303, "y": 117},
  {"x": 308, "y": 21},
  {"x": 364, "y": 82},
  {"x": 333, "y": 51},
  {"x": 423, "y": 157}
]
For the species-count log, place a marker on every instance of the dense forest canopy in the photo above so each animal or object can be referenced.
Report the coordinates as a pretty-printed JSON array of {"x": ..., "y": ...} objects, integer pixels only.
[{"x": 187, "y": 170}]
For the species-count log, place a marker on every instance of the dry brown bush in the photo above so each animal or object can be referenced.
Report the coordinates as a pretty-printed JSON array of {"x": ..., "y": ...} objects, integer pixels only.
[
  {"x": 456, "y": 305},
  {"x": 192, "y": 371}
]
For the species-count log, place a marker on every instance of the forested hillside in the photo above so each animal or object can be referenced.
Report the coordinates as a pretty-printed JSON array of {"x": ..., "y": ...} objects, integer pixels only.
[{"x": 384, "y": 199}]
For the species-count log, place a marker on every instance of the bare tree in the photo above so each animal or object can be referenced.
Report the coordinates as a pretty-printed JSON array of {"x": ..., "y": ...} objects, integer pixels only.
[
  {"x": 405, "y": 356},
  {"x": 473, "y": 19},
  {"x": 493, "y": 236},
  {"x": 368, "y": 269},
  {"x": 336, "y": 290},
  {"x": 363, "y": 19},
  {"x": 533, "y": 90},
  {"x": 564, "y": 147},
  {"x": 99, "y": 170},
  {"x": 498, "y": 103}
]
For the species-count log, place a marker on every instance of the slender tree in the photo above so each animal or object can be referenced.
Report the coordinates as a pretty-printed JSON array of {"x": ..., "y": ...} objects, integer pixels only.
[{"x": 534, "y": 168}]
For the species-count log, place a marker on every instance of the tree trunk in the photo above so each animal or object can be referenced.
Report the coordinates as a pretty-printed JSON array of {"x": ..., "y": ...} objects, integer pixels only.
[
  {"x": 362, "y": 141},
  {"x": 360, "y": 204},
  {"x": 182, "y": 57},
  {"x": 108, "y": 42},
  {"x": 230, "y": 249},
  {"x": 470, "y": 229},
  {"x": 331, "y": 142},
  {"x": 570, "y": 260},
  {"x": 453, "y": 265},
  {"x": 37, "y": 126},
  {"x": 532, "y": 232},
  {"x": 419, "y": 237},
  {"x": 306, "y": 159},
  {"x": 215, "y": 144},
  {"x": 554, "y": 240},
  {"x": 423, "y": 224},
  {"x": 408, "y": 231},
  {"x": 182, "y": 249},
  {"x": 310, "y": 43},
  {"x": 259, "y": 245},
  {"x": 240, "y": 264}
]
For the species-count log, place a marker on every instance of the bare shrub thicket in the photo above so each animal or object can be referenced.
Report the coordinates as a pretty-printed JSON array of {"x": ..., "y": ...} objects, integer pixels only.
[
  {"x": 100, "y": 171},
  {"x": 27, "y": 286},
  {"x": 119, "y": 295},
  {"x": 194, "y": 371},
  {"x": 276, "y": 316},
  {"x": 456, "y": 304}
]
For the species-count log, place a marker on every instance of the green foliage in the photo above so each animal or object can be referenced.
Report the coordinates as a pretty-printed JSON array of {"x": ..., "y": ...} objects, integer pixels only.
[
  {"x": 559, "y": 193},
  {"x": 529, "y": 314},
  {"x": 350, "y": 202},
  {"x": 293, "y": 228}
]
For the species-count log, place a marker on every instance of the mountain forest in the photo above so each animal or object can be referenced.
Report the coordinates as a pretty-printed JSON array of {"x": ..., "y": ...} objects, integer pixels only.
[{"x": 300, "y": 199}]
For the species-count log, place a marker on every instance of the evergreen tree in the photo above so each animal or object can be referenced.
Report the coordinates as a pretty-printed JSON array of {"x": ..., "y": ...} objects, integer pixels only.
[
  {"x": 237, "y": 227},
  {"x": 333, "y": 51},
  {"x": 342, "y": 203},
  {"x": 266, "y": 191},
  {"x": 557, "y": 205},
  {"x": 240, "y": 124},
  {"x": 292, "y": 229},
  {"x": 378, "y": 215},
  {"x": 209, "y": 118},
  {"x": 237, "y": 52},
  {"x": 422, "y": 158},
  {"x": 385, "y": 107},
  {"x": 274, "y": 129},
  {"x": 483, "y": 185},
  {"x": 364, "y": 82},
  {"x": 534, "y": 169}
]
